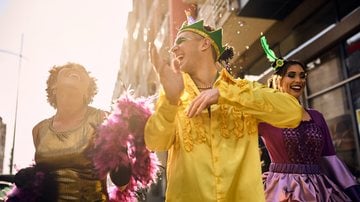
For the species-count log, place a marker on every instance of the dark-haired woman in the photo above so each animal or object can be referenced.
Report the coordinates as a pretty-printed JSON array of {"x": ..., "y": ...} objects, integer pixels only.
[{"x": 304, "y": 166}]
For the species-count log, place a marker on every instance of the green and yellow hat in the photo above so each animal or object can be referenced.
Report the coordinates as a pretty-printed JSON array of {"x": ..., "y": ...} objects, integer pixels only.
[{"x": 214, "y": 36}]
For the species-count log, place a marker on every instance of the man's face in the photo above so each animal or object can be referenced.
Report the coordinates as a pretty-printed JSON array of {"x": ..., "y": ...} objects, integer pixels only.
[{"x": 185, "y": 49}]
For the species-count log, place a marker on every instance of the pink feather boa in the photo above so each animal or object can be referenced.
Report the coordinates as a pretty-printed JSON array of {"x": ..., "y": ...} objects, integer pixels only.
[{"x": 124, "y": 128}]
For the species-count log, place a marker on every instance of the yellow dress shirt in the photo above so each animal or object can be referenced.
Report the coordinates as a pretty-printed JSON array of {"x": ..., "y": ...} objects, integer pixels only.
[{"x": 214, "y": 156}]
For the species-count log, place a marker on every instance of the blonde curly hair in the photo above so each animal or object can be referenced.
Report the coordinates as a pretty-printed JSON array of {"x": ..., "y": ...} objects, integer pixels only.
[{"x": 52, "y": 79}]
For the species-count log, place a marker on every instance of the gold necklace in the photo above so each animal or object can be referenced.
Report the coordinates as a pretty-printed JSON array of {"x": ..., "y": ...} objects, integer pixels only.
[{"x": 206, "y": 87}]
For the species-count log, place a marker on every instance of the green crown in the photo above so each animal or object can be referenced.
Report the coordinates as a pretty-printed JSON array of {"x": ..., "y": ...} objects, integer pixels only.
[{"x": 214, "y": 36}]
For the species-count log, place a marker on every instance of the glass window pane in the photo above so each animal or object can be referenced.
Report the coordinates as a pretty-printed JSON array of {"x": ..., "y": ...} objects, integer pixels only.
[
  {"x": 352, "y": 63},
  {"x": 324, "y": 72}
]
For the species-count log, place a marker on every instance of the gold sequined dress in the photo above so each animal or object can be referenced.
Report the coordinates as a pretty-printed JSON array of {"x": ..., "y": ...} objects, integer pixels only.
[{"x": 67, "y": 156}]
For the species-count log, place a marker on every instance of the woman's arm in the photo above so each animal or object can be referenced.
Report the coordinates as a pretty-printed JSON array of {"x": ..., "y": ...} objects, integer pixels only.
[{"x": 332, "y": 166}]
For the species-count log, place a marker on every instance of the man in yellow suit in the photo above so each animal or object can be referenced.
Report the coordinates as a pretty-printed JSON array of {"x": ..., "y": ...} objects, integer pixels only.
[{"x": 207, "y": 121}]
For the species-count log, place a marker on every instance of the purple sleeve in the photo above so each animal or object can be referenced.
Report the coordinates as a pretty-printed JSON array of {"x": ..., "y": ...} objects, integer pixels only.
[
  {"x": 337, "y": 171},
  {"x": 328, "y": 149},
  {"x": 333, "y": 167}
]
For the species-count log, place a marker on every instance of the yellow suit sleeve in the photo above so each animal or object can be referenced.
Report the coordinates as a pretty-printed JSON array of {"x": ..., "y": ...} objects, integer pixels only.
[
  {"x": 160, "y": 128},
  {"x": 267, "y": 105}
]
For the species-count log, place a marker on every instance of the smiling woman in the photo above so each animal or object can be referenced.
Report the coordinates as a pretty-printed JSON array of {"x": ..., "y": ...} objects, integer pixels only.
[
  {"x": 87, "y": 32},
  {"x": 64, "y": 141},
  {"x": 69, "y": 149},
  {"x": 303, "y": 158}
]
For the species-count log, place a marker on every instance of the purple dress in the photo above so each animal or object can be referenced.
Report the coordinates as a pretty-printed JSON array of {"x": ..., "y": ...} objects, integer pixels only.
[{"x": 304, "y": 166}]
